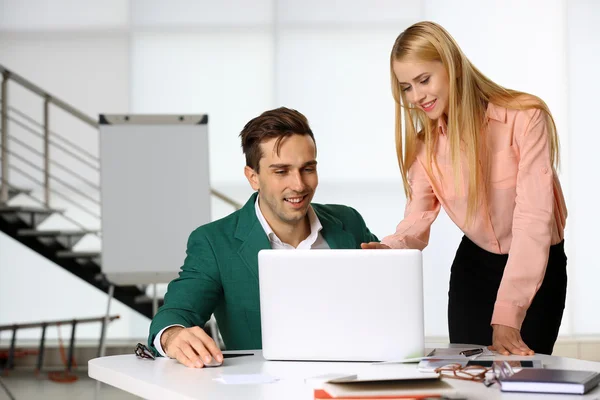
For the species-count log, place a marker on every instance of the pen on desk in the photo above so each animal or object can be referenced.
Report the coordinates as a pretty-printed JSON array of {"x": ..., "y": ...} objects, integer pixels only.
[{"x": 472, "y": 352}]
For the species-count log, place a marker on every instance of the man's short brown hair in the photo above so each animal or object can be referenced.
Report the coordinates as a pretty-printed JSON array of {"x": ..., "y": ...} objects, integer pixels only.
[{"x": 279, "y": 123}]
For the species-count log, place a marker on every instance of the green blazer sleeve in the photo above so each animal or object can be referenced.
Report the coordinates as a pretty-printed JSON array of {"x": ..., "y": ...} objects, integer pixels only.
[
  {"x": 366, "y": 233},
  {"x": 193, "y": 296}
]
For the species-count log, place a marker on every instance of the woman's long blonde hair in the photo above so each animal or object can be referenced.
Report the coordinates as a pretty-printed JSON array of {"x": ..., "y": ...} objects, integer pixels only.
[{"x": 469, "y": 94}]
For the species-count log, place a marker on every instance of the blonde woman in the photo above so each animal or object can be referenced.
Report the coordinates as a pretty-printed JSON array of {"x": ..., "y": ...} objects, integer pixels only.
[{"x": 486, "y": 154}]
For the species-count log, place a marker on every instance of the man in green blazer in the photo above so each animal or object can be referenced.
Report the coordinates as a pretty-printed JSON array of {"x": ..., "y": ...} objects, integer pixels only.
[{"x": 220, "y": 272}]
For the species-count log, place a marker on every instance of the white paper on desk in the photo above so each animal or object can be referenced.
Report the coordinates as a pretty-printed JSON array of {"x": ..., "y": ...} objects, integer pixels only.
[
  {"x": 396, "y": 389},
  {"x": 381, "y": 375},
  {"x": 440, "y": 354},
  {"x": 245, "y": 379}
]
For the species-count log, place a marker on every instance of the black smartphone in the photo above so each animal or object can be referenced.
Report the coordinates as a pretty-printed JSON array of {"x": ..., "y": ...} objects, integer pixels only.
[
  {"x": 234, "y": 355},
  {"x": 215, "y": 363}
]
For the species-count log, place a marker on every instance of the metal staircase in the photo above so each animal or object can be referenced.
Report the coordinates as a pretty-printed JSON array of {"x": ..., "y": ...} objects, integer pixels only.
[{"x": 50, "y": 189}]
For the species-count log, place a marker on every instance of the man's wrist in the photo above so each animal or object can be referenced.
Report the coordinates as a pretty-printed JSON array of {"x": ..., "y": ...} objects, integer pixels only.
[{"x": 166, "y": 337}]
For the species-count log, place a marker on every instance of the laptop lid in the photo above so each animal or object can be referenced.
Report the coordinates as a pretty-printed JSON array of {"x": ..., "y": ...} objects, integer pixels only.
[{"x": 344, "y": 305}]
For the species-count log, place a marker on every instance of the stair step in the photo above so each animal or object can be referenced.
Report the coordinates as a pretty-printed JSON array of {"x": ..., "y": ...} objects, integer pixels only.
[
  {"x": 32, "y": 216},
  {"x": 78, "y": 254},
  {"x": 52, "y": 233},
  {"x": 66, "y": 238},
  {"x": 28, "y": 209},
  {"x": 15, "y": 191}
]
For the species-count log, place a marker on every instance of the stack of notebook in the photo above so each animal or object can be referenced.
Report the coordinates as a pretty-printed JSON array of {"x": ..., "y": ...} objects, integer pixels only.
[
  {"x": 417, "y": 386},
  {"x": 551, "y": 381}
]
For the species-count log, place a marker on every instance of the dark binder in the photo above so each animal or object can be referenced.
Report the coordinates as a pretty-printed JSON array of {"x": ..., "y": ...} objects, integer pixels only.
[{"x": 551, "y": 381}]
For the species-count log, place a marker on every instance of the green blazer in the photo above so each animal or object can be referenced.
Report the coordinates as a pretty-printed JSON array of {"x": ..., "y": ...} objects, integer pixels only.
[{"x": 220, "y": 272}]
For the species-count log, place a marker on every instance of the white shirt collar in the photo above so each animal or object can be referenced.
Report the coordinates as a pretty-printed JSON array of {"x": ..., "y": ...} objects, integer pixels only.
[{"x": 315, "y": 226}]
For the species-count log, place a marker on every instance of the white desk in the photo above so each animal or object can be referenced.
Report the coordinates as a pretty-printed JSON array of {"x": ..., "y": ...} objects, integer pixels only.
[{"x": 167, "y": 379}]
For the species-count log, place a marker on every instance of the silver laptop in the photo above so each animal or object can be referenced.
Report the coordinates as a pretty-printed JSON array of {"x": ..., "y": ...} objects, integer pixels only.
[{"x": 341, "y": 305}]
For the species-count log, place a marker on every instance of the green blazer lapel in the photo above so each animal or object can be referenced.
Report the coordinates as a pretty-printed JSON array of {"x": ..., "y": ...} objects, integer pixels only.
[
  {"x": 252, "y": 235},
  {"x": 333, "y": 232}
]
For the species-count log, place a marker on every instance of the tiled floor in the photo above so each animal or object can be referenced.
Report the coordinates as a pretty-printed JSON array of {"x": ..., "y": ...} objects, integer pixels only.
[{"x": 24, "y": 385}]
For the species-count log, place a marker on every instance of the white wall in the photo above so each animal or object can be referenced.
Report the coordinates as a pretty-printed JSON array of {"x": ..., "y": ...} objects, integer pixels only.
[
  {"x": 329, "y": 60},
  {"x": 583, "y": 53},
  {"x": 225, "y": 74},
  {"x": 63, "y": 15}
]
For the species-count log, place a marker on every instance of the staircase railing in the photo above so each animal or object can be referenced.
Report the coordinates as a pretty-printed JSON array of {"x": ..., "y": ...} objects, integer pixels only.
[
  {"x": 45, "y": 324},
  {"x": 62, "y": 179},
  {"x": 59, "y": 172}
]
